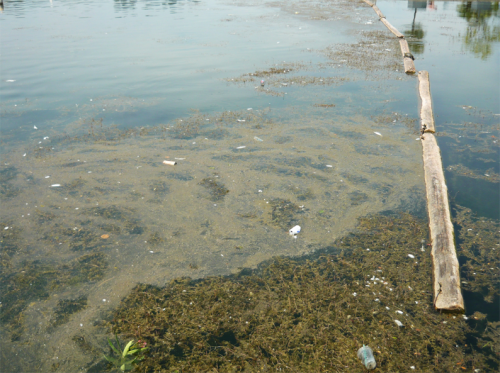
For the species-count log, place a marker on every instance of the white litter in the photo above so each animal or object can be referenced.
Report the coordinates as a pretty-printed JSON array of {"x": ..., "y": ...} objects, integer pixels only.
[
  {"x": 47, "y": 177},
  {"x": 180, "y": 159},
  {"x": 398, "y": 323},
  {"x": 257, "y": 138},
  {"x": 242, "y": 120},
  {"x": 377, "y": 133},
  {"x": 10, "y": 81},
  {"x": 400, "y": 312},
  {"x": 329, "y": 165},
  {"x": 55, "y": 185},
  {"x": 411, "y": 256},
  {"x": 35, "y": 127},
  {"x": 170, "y": 163},
  {"x": 294, "y": 231},
  {"x": 241, "y": 147}
]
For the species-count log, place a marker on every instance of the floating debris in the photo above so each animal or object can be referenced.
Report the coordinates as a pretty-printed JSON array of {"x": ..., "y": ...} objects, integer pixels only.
[
  {"x": 294, "y": 231},
  {"x": 55, "y": 185},
  {"x": 170, "y": 163},
  {"x": 377, "y": 133},
  {"x": 241, "y": 147}
]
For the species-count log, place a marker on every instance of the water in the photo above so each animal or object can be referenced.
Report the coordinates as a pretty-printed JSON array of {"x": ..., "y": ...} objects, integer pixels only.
[
  {"x": 458, "y": 43},
  {"x": 115, "y": 88}
]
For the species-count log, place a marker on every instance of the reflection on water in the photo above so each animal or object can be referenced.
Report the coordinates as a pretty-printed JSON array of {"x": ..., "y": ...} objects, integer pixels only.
[{"x": 482, "y": 31}]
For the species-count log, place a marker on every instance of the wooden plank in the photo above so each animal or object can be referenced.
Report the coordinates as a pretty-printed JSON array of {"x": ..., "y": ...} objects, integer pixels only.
[
  {"x": 405, "y": 49},
  {"x": 447, "y": 292},
  {"x": 426, "y": 116},
  {"x": 407, "y": 57},
  {"x": 369, "y": 2},
  {"x": 391, "y": 28},
  {"x": 409, "y": 66},
  {"x": 377, "y": 10}
]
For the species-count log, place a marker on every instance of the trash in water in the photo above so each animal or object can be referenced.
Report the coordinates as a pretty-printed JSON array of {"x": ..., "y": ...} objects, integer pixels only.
[
  {"x": 329, "y": 165},
  {"x": 262, "y": 82},
  {"x": 411, "y": 256},
  {"x": 241, "y": 147},
  {"x": 241, "y": 120},
  {"x": 170, "y": 163},
  {"x": 398, "y": 323},
  {"x": 10, "y": 81},
  {"x": 35, "y": 127},
  {"x": 377, "y": 133},
  {"x": 294, "y": 231},
  {"x": 365, "y": 353},
  {"x": 257, "y": 139},
  {"x": 55, "y": 185}
]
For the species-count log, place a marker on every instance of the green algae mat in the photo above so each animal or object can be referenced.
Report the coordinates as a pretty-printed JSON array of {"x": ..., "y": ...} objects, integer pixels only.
[{"x": 313, "y": 314}]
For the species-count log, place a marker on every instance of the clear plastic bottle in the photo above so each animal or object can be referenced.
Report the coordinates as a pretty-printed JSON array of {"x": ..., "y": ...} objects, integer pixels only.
[{"x": 365, "y": 353}]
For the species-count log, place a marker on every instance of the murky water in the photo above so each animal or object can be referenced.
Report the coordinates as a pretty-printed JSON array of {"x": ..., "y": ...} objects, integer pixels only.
[{"x": 96, "y": 95}]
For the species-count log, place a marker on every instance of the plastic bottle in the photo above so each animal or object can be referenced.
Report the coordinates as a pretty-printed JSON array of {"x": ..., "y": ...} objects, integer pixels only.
[{"x": 365, "y": 353}]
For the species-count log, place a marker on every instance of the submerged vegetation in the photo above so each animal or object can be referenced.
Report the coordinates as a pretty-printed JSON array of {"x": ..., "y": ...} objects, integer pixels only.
[{"x": 312, "y": 314}]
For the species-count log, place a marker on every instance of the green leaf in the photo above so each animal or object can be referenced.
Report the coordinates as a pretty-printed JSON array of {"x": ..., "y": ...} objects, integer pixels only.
[
  {"x": 110, "y": 359},
  {"x": 118, "y": 344},
  {"x": 113, "y": 347},
  {"x": 127, "y": 347}
]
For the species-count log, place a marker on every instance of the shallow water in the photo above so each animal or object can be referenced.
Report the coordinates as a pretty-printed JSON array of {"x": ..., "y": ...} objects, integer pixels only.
[
  {"x": 459, "y": 44},
  {"x": 115, "y": 88},
  {"x": 109, "y": 111}
]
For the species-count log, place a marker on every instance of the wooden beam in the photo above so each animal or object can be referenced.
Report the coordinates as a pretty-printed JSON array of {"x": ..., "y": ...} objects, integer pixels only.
[
  {"x": 426, "y": 116},
  {"x": 391, "y": 28},
  {"x": 407, "y": 57},
  {"x": 369, "y": 2},
  {"x": 447, "y": 292},
  {"x": 377, "y": 10}
]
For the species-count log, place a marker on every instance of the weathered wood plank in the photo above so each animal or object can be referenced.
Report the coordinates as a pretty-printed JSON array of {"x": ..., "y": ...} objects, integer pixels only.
[
  {"x": 409, "y": 66},
  {"x": 426, "y": 116},
  {"x": 377, "y": 10},
  {"x": 391, "y": 28},
  {"x": 447, "y": 292},
  {"x": 369, "y": 2}
]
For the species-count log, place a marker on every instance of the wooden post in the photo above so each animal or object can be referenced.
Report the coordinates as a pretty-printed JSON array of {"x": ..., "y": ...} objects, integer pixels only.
[
  {"x": 391, "y": 28},
  {"x": 407, "y": 57},
  {"x": 447, "y": 292},
  {"x": 426, "y": 116}
]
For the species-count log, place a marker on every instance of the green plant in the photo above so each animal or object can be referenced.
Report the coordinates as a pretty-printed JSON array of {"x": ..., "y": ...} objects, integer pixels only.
[{"x": 131, "y": 354}]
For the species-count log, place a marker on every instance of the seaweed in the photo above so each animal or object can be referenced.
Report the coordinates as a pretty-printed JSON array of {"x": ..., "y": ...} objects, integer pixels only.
[
  {"x": 66, "y": 307},
  {"x": 216, "y": 189},
  {"x": 284, "y": 213},
  {"x": 312, "y": 313}
]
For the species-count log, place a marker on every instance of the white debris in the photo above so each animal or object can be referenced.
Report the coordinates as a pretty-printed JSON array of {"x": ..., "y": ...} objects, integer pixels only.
[
  {"x": 294, "y": 231},
  {"x": 55, "y": 185},
  {"x": 241, "y": 147},
  {"x": 411, "y": 256},
  {"x": 35, "y": 127},
  {"x": 329, "y": 165},
  {"x": 242, "y": 120},
  {"x": 398, "y": 323},
  {"x": 377, "y": 133},
  {"x": 400, "y": 312}
]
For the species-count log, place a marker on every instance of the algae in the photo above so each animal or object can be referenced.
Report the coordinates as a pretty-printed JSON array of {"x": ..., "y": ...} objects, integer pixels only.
[{"x": 313, "y": 313}]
